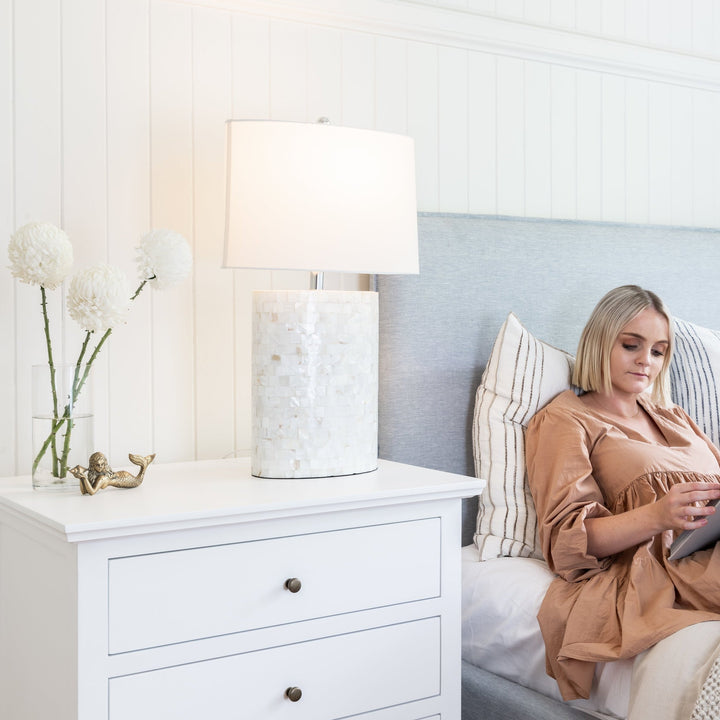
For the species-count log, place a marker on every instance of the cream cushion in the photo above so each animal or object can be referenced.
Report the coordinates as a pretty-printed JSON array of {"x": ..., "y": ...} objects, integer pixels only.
[
  {"x": 695, "y": 375},
  {"x": 522, "y": 375}
]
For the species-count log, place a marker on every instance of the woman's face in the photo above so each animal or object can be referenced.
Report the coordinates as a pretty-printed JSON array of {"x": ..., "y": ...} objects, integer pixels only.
[{"x": 639, "y": 352}]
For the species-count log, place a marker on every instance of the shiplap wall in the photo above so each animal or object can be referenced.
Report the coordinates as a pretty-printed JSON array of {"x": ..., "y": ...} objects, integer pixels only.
[{"x": 112, "y": 122}]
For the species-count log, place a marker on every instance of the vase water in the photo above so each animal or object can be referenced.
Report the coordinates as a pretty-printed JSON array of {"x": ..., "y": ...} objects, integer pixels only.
[{"x": 62, "y": 425}]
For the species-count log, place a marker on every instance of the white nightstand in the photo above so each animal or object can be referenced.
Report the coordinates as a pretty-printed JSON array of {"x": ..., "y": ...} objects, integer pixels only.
[{"x": 207, "y": 594}]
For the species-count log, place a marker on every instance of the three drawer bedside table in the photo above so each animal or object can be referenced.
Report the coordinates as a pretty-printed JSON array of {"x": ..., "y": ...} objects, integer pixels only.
[{"x": 208, "y": 594}]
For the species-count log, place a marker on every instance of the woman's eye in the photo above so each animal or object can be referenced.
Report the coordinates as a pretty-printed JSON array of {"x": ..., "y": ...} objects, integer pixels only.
[
  {"x": 628, "y": 346},
  {"x": 658, "y": 353}
]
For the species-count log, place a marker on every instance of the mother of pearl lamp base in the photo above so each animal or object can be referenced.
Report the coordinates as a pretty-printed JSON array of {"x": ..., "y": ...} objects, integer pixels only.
[{"x": 315, "y": 383}]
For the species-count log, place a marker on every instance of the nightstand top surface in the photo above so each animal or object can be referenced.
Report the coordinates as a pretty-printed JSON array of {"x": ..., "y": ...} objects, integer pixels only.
[{"x": 213, "y": 492}]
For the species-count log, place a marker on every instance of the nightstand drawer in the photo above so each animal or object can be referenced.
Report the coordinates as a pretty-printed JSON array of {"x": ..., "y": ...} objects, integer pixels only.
[
  {"x": 173, "y": 597},
  {"x": 337, "y": 676}
]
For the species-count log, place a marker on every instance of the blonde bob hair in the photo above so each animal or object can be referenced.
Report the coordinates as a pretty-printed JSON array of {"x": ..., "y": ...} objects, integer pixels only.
[{"x": 610, "y": 316}]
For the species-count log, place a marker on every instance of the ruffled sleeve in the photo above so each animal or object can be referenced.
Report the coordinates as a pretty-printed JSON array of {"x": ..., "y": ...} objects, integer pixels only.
[{"x": 565, "y": 493}]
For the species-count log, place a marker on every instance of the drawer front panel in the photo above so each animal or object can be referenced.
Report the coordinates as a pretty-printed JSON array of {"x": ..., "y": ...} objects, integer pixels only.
[
  {"x": 337, "y": 676},
  {"x": 173, "y": 597}
]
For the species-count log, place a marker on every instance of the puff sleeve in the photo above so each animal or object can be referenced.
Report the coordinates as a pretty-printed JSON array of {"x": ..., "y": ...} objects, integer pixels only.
[{"x": 565, "y": 493}]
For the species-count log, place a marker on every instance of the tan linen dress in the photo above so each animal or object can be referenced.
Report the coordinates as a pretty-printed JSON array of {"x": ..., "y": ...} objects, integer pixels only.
[{"x": 583, "y": 464}]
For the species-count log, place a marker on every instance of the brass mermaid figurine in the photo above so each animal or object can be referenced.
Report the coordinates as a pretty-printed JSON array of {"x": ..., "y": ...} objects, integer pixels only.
[{"x": 98, "y": 475}]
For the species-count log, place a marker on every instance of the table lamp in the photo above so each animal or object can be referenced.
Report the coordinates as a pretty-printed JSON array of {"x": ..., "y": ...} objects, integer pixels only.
[{"x": 321, "y": 198}]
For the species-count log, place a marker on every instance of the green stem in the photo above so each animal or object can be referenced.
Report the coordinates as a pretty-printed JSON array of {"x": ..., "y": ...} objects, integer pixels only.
[
  {"x": 51, "y": 367},
  {"x": 80, "y": 376},
  {"x": 70, "y": 407},
  {"x": 57, "y": 424},
  {"x": 140, "y": 287}
]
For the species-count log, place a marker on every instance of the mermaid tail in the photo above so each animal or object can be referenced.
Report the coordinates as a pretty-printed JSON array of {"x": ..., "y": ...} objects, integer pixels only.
[{"x": 125, "y": 479}]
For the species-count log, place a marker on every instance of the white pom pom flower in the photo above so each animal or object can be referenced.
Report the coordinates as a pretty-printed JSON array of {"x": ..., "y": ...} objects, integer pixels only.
[
  {"x": 98, "y": 298},
  {"x": 40, "y": 254},
  {"x": 164, "y": 258}
]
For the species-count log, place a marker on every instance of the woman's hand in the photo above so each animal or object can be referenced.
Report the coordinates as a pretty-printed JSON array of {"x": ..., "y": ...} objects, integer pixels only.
[
  {"x": 685, "y": 505},
  {"x": 682, "y": 508}
]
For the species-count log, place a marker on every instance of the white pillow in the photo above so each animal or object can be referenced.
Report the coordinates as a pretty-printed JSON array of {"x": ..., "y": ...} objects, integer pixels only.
[
  {"x": 695, "y": 375},
  {"x": 522, "y": 375}
]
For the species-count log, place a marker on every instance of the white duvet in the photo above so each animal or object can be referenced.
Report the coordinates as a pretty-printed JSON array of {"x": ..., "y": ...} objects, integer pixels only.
[{"x": 500, "y": 633}]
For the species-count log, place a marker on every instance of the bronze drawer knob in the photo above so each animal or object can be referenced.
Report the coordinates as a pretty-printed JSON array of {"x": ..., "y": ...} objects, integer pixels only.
[
  {"x": 293, "y": 585},
  {"x": 293, "y": 694}
]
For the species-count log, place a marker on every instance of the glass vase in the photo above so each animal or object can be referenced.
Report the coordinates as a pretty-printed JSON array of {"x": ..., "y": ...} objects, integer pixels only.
[{"x": 62, "y": 426}]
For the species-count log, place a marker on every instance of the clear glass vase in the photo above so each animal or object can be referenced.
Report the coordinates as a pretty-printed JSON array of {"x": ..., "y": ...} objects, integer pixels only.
[{"x": 62, "y": 426}]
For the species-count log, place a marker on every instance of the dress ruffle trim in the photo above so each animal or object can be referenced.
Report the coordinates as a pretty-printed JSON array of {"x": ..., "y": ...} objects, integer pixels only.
[{"x": 650, "y": 486}]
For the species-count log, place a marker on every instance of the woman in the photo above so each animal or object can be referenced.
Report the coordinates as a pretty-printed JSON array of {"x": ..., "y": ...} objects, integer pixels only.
[{"x": 615, "y": 473}]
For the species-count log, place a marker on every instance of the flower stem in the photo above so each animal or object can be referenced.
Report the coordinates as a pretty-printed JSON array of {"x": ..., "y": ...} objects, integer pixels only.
[
  {"x": 56, "y": 425},
  {"x": 140, "y": 287},
  {"x": 51, "y": 366},
  {"x": 70, "y": 407},
  {"x": 80, "y": 376}
]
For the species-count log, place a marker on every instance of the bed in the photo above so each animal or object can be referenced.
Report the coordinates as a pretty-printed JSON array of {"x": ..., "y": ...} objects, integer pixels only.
[{"x": 469, "y": 349}]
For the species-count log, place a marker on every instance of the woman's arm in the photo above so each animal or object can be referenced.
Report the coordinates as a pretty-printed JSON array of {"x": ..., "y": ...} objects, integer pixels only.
[
  {"x": 565, "y": 493},
  {"x": 675, "y": 511}
]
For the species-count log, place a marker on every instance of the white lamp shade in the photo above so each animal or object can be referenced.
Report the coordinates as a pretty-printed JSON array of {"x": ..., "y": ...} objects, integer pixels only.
[{"x": 321, "y": 198}]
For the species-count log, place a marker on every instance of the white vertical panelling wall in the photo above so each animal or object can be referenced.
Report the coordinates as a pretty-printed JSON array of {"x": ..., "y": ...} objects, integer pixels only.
[
  {"x": 636, "y": 151},
  {"x": 127, "y": 404},
  {"x": 171, "y": 193},
  {"x": 212, "y": 105},
  {"x": 660, "y": 154},
  {"x": 112, "y": 122},
  {"x": 358, "y": 79},
  {"x": 422, "y": 119},
  {"x": 84, "y": 162},
  {"x": 613, "y": 118},
  {"x": 391, "y": 81},
  {"x": 510, "y": 136},
  {"x": 588, "y": 131},
  {"x": 37, "y": 183},
  {"x": 482, "y": 149},
  {"x": 324, "y": 75},
  {"x": 567, "y": 186},
  {"x": 706, "y": 166},
  {"x": 250, "y": 100},
  {"x": 8, "y": 337},
  {"x": 537, "y": 126},
  {"x": 453, "y": 130}
]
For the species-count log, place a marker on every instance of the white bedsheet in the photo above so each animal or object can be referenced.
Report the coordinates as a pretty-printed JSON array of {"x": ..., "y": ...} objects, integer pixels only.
[{"x": 500, "y": 632}]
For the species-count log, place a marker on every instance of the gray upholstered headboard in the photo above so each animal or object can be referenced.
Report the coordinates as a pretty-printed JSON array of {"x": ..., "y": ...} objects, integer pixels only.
[{"x": 437, "y": 328}]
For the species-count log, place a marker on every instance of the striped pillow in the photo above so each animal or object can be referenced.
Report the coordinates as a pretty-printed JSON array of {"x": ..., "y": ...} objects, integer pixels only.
[
  {"x": 522, "y": 375},
  {"x": 695, "y": 374}
]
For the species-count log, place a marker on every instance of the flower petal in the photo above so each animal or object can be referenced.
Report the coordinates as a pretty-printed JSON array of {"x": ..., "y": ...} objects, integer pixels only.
[
  {"x": 40, "y": 254},
  {"x": 98, "y": 298},
  {"x": 164, "y": 258}
]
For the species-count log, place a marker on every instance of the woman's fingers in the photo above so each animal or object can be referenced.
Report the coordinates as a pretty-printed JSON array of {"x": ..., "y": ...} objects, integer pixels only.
[{"x": 690, "y": 503}]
